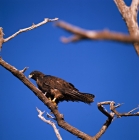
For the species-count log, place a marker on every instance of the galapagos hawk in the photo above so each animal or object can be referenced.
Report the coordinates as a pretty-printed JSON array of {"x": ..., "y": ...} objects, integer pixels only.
[{"x": 58, "y": 90}]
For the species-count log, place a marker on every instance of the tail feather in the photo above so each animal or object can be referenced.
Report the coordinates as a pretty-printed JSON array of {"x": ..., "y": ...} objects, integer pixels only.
[
  {"x": 87, "y": 97},
  {"x": 83, "y": 97}
]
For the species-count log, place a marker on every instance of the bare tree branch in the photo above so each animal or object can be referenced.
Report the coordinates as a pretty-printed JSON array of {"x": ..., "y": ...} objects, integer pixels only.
[
  {"x": 103, "y": 128},
  {"x": 103, "y": 110},
  {"x": 108, "y": 121},
  {"x": 49, "y": 122},
  {"x": 80, "y": 34},
  {"x": 113, "y": 109},
  {"x": 129, "y": 14},
  {"x": 1, "y": 37},
  {"x": 73, "y": 38},
  {"x": 111, "y": 115},
  {"x": 50, "y": 116},
  {"x": 30, "y": 28},
  {"x": 133, "y": 110}
]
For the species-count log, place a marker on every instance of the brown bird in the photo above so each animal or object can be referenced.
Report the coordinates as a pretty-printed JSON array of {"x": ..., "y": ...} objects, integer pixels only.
[{"x": 58, "y": 90}]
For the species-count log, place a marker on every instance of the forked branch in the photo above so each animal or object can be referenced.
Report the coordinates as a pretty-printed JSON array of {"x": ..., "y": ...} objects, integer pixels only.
[
  {"x": 129, "y": 14},
  {"x": 40, "y": 115},
  {"x": 118, "y": 115},
  {"x": 112, "y": 114}
]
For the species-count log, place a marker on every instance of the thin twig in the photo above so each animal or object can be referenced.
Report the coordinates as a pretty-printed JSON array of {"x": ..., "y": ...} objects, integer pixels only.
[
  {"x": 23, "y": 70},
  {"x": 50, "y": 116},
  {"x": 49, "y": 122},
  {"x": 133, "y": 110},
  {"x": 30, "y": 28},
  {"x": 118, "y": 105}
]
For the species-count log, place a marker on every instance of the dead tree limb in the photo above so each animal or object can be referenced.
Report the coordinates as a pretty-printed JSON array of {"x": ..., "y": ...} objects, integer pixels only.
[
  {"x": 2, "y": 40},
  {"x": 129, "y": 14},
  {"x": 40, "y": 115},
  {"x": 111, "y": 115},
  {"x": 79, "y": 34},
  {"x": 30, "y": 28},
  {"x": 1, "y": 37},
  {"x": 119, "y": 115},
  {"x": 108, "y": 121}
]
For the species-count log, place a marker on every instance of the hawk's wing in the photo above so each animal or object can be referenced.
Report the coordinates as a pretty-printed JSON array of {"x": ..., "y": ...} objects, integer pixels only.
[
  {"x": 68, "y": 90},
  {"x": 58, "y": 83}
]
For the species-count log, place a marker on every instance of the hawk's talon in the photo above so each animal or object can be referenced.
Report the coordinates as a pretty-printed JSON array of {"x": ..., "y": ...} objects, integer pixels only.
[{"x": 54, "y": 100}]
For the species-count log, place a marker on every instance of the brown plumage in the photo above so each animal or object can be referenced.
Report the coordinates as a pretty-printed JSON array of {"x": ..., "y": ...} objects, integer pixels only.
[{"x": 59, "y": 90}]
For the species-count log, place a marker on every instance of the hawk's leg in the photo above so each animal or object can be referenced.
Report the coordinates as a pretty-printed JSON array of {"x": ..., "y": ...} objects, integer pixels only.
[
  {"x": 54, "y": 101},
  {"x": 57, "y": 95}
]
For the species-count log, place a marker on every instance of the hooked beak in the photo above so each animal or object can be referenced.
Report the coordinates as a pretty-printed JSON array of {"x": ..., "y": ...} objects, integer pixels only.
[{"x": 30, "y": 76}]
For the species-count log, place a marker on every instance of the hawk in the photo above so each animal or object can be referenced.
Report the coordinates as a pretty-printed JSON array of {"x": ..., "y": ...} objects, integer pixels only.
[{"x": 58, "y": 90}]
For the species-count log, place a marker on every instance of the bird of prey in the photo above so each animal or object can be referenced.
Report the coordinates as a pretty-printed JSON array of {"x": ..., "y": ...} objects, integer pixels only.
[{"x": 58, "y": 90}]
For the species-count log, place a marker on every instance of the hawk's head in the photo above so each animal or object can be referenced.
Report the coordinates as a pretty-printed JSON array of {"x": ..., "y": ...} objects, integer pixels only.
[{"x": 35, "y": 74}]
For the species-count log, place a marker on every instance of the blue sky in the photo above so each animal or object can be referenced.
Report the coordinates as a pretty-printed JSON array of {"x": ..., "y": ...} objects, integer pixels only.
[{"x": 110, "y": 70}]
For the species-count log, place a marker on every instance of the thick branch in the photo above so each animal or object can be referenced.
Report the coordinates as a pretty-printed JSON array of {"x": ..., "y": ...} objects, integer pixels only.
[
  {"x": 30, "y": 28},
  {"x": 49, "y": 122},
  {"x": 129, "y": 14},
  {"x": 45, "y": 100},
  {"x": 94, "y": 35},
  {"x": 103, "y": 110},
  {"x": 1, "y": 38}
]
